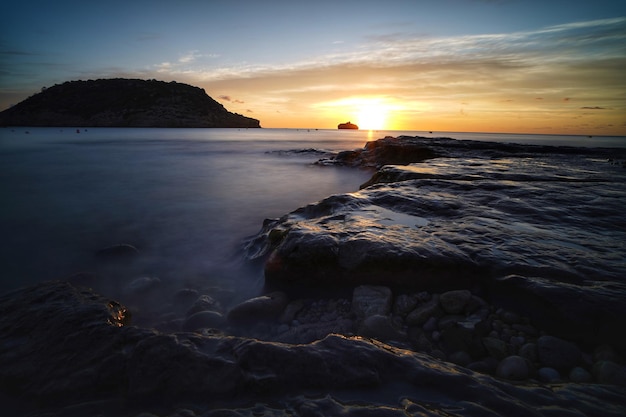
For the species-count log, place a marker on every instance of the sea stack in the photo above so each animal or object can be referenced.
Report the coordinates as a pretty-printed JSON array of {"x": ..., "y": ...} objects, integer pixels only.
[{"x": 347, "y": 125}]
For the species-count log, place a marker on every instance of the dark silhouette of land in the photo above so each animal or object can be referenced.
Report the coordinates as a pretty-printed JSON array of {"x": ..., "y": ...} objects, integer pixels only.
[{"x": 123, "y": 103}]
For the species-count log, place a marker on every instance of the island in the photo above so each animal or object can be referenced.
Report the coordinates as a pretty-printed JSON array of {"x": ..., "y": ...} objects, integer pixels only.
[
  {"x": 347, "y": 125},
  {"x": 123, "y": 103}
]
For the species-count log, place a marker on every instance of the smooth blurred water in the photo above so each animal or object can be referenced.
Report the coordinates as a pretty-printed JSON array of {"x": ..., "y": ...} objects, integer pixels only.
[{"x": 184, "y": 197}]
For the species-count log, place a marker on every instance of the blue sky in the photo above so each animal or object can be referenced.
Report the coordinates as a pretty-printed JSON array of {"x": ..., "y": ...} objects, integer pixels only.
[{"x": 473, "y": 65}]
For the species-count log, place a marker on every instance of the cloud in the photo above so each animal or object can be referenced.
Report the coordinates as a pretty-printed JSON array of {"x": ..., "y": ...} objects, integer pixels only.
[
  {"x": 593, "y": 108},
  {"x": 226, "y": 98},
  {"x": 189, "y": 57}
]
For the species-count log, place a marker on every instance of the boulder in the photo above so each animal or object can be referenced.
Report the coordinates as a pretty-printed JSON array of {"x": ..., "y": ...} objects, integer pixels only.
[
  {"x": 404, "y": 304},
  {"x": 380, "y": 328},
  {"x": 495, "y": 347},
  {"x": 546, "y": 374},
  {"x": 203, "y": 320},
  {"x": 265, "y": 307},
  {"x": 514, "y": 368},
  {"x": 68, "y": 351},
  {"x": 424, "y": 312},
  {"x": 607, "y": 372},
  {"x": 580, "y": 375},
  {"x": 203, "y": 303},
  {"x": 557, "y": 353},
  {"x": 454, "y": 302},
  {"x": 370, "y": 300}
]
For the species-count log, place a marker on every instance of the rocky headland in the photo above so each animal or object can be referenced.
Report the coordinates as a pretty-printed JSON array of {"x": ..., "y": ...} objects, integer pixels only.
[
  {"x": 123, "y": 103},
  {"x": 468, "y": 279}
]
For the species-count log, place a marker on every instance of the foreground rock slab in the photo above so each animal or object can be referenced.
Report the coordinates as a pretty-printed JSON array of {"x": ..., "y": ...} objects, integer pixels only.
[
  {"x": 64, "y": 349},
  {"x": 539, "y": 229}
]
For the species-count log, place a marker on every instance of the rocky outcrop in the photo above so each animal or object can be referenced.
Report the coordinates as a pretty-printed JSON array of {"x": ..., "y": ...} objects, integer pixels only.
[
  {"x": 347, "y": 125},
  {"x": 539, "y": 229},
  {"x": 123, "y": 103},
  {"x": 67, "y": 351}
]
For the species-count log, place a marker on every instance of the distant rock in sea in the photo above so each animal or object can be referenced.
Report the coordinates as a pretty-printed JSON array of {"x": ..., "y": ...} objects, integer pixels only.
[
  {"x": 123, "y": 103},
  {"x": 347, "y": 126}
]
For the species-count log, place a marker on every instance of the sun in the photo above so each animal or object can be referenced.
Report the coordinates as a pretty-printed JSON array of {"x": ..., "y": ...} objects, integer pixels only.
[{"x": 371, "y": 115}]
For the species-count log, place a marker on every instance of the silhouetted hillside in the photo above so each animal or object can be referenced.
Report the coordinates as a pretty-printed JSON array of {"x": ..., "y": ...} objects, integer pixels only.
[{"x": 123, "y": 103}]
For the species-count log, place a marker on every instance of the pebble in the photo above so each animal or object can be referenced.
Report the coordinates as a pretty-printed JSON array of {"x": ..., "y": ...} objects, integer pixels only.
[
  {"x": 404, "y": 304},
  {"x": 425, "y": 311},
  {"x": 371, "y": 300}
]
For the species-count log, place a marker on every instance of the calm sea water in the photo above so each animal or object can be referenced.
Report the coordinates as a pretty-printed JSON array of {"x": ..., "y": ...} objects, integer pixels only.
[{"x": 186, "y": 198}]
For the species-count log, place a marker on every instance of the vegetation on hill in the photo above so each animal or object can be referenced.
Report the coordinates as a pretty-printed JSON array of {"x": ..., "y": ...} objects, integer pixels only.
[{"x": 123, "y": 103}]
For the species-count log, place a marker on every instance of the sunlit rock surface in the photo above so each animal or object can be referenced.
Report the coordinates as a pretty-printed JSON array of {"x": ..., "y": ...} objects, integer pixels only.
[
  {"x": 66, "y": 351},
  {"x": 540, "y": 229}
]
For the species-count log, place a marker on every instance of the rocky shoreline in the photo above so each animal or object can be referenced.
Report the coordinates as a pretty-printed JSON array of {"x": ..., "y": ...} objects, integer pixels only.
[{"x": 458, "y": 281}]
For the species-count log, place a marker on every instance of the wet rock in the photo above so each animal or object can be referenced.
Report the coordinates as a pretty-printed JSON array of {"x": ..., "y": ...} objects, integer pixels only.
[
  {"x": 605, "y": 353},
  {"x": 289, "y": 314},
  {"x": 204, "y": 303},
  {"x": 510, "y": 317},
  {"x": 404, "y": 304},
  {"x": 607, "y": 372},
  {"x": 580, "y": 375},
  {"x": 485, "y": 366},
  {"x": 370, "y": 300},
  {"x": 141, "y": 285},
  {"x": 557, "y": 353},
  {"x": 423, "y": 227},
  {"x": 430, "y": 325},
  {"x": 422, "y": 313},
  {"x": 386, "y": 151},
  {"x": 185, "y": 296},
  {"x": 120, "y": 252},
  {"x": 203, "y": 320},
  {"x": 460, "y": 358},
  {"x": 61, "y": 347},
  {"x": 446, "y": 322},
  {"x": 496, "y": 347},
  {"x": 310, "y": 332},
  {"x": 381, "y": 328},
  {"x": 266, "y": 307},
  {"x": 454, "y": 302},
  {"x": 546, "y": 374},
  {"x": 529, "y": 352},
  {"x": 514, "y": 368}
]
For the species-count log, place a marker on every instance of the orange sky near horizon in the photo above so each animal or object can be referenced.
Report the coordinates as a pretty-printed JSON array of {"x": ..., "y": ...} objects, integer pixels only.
[{"x": 531, "y": 66}]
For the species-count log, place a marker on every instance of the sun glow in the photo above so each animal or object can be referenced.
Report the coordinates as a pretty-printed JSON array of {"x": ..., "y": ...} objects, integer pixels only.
[{"x": 369, "y": 113}]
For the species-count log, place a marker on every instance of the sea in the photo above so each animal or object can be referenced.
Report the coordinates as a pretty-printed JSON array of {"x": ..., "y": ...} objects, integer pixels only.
[{"x": 185, "y": 198}]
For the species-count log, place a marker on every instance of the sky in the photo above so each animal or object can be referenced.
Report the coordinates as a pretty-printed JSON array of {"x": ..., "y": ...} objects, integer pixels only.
[{"x": 518, "y": 66}]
